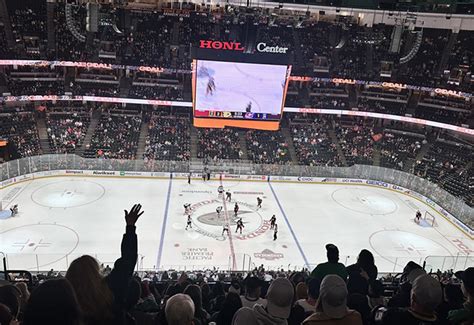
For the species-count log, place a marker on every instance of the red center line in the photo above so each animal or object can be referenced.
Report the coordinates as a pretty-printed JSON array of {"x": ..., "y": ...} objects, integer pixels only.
[{"x": 226, "y": 220}]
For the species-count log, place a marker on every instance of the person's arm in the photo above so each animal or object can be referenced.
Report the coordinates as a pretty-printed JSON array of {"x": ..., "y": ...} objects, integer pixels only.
[{"x": 122, "y": 272}]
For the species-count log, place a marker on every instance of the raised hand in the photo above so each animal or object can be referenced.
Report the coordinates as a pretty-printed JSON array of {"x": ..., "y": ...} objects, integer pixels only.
[{"x": 132, "y": 216}]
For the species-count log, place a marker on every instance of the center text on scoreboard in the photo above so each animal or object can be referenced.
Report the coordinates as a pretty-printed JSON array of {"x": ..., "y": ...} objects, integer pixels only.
[{"x": 237, "y": 46}]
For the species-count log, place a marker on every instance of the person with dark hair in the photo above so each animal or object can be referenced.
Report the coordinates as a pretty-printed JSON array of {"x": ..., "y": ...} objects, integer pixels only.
[
  {"x": 453, "y": 299},
  {"x": 231, "y": 304},
  {"x": 309, "y": 304},
  {"x": 11, "y": 297},
  {"x": 361, "y": 273},
  {"x": 102, "y": 300},
  {"x": 410, "y": 272},
  {"x": 465, "y": 315},
  {"x": 360, "y": 303},
  {"x": 375, "y": 296},
  {"x": 218, "y": 297},
  {"x": 194, "y": 291},
  {"x": 332, "y": 266},
  {"x": 146, "y": 301},
  {"x": 206, "y": 293},
  {"x": 253, "y": 290},
  {"x": 54, "y": 302},
  {"x": 6, "y": 316}
]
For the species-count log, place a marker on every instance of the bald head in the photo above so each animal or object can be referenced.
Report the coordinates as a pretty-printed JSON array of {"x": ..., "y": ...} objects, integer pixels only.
[{"x": 179, "y": 310}]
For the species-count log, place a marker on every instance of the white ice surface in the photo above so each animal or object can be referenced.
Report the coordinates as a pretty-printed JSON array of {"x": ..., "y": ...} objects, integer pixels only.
[{"x": 62, "y": 218}]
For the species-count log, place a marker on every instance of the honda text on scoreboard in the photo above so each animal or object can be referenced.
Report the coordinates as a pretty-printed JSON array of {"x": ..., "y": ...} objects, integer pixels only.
[{"x": 238, "y": 86}]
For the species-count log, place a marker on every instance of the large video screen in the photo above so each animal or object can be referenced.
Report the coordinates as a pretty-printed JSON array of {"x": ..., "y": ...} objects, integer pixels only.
[{"x": 234, "y": 90}]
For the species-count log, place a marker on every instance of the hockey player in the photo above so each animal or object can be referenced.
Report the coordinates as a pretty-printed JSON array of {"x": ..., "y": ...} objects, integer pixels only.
[
  {"x": 211, "y": 86},
  {"x": 240, "y": 226},
  {"x": 259, "y": 202},
  {"x": 273, "y": 220},
  {"x": 187, "y": 208},
  {"x": 225, "y": 229},
  {"x": 275, "y": 232},
  {"x": 417, "y": 216},
  {"x": 236, "y": 209},
  {"x": 218, "y": 211},
  {"x": 228, "y": 196},
  {"x": 189, "y": 223},
  {"x": 14, "y": 210},
  {"x": 189, "y": 178},
  {"x": 220, "y": 190}
]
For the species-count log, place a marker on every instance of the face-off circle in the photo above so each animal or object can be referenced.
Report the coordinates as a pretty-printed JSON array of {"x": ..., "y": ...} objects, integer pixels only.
[
  {"x": 364, "y": 201},
  {"x": 206, "y": 222},
  {"x": 30, "y": 246},
  {"x": 405, "y": 246},
  {"x": 68, "y": 194}
]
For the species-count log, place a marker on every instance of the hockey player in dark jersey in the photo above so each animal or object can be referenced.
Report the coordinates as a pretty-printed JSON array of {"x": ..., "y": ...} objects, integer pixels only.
[
  {"x": 236, "y": 209},
  {"x": 259, "y": 202},
  {"x": 189, "y": 223},
  {"x": 273, "y": 220},
  {"x": 240, "y": 226},
  {"x": 228, "y": 196},
  {"x": 417, "y": 216}
]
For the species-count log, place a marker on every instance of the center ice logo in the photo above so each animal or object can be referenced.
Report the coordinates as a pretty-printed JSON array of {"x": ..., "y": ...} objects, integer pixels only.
[{"x": 207, "y": 223}]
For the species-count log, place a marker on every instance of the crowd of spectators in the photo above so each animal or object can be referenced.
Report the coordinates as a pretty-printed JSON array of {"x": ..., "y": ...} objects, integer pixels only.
[
  {"x": 267, "y": 147},
  {"x": 423, "y": 69},
  {"x": 216, "y": 144},
  {"x": 342, "y": 47},
  {"x": 66, "y": 130},
  {"x": 95, "y": 89},
  {"x": 333, "y": 293},
  {"x": 68, "y": 47},
  {"x": 447, "y": 164},
  {"x": 443, "y": 115},
  {"x": 396, "y": 148},
  {"x": 168, "y": 138},
  {"x": 329, "y": 102},
  {"x": 21, "y": 131},
  {"x": 29, "y": 27},
  {"x": 115, "y": 137},
  {"x": 157, "y": 92},
  {"x": 381, "y": 106},
  {"x": 20, "y": 87},
  {"x": 313, "y": 145},
  {"x": 150, "y": 42},
  {"x": 356, "y": 142}
]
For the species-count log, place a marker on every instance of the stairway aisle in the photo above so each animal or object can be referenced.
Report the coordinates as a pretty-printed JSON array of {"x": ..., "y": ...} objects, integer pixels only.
[
  {"x": 291, "y": 148},
  {"x": 43, "y": 136},
  {"x": 142, "y": 140}
]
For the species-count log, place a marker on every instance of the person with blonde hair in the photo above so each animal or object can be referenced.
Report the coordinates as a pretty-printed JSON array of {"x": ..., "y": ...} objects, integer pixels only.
[
  {"x": 102, "y": 299},
  {"x": 179, "y": 310}
]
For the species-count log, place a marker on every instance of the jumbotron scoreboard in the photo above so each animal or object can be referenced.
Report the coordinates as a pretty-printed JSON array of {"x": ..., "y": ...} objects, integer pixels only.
[{"x": 236, "y": 87}]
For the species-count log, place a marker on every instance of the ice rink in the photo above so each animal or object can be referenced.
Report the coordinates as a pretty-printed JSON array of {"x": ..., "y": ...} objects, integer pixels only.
[{"x": 61, "y": 218}]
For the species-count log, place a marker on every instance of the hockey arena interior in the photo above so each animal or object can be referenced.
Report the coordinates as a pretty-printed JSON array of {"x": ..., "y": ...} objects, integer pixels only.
[{"x": 236, "y": 162}]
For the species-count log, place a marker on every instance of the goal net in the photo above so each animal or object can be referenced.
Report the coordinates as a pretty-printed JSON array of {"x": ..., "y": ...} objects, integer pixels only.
[{"x": 429, "y": 218}]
